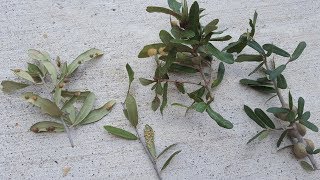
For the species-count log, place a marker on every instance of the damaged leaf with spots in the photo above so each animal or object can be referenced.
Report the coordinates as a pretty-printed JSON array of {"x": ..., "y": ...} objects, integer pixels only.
[
  {"x": 47, "y": 126},
  {"x": 149, "y": 138},
  {"x": 97, "y": 114},
  {"x": 45, "y": 105}
]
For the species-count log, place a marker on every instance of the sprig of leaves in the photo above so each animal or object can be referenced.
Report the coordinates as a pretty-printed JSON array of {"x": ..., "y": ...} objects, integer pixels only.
[
  {"x": 187, "y": 48},
  {"x": 61, "y": 105},
  {"x": 130, "y": 111},
  {"x": 297, "y": 120}
]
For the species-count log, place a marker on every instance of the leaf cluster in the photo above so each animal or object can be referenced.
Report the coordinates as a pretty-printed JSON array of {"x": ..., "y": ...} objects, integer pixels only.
[
  {"x": 130, "y": 111},
  {"x": 187, "y": 48},
  {"x": 55, "y": 77}
]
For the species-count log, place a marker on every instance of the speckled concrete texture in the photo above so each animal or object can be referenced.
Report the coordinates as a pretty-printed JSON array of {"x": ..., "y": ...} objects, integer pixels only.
[{"x": 120, "y": 28}]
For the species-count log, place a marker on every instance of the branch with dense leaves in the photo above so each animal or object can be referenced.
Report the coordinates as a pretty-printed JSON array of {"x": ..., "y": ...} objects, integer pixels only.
[
  {"x": 55, "y": 77},
  {"x": 130, "y": 111},
  {"x": 295, "y": 119},
  {"x": 187, "y": 49}
]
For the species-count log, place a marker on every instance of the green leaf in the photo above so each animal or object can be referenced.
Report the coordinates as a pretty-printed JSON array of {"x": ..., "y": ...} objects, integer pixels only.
[
  {"x": 283, "y": 134},
  {"x": 290, "y": 101},
  {"x": 184, "y": 41},
  {"x": 264, "y": 118},
  {"x": 37, "y": 55},
  {"x": 211, "y": 26},
  {"x": 57, "y": 95},
  {"x": 197, "y": 95},
  {"x": 131, "y": 107},
  {"x": 276, "y": 110},
  {"x": 305, "y": 116},
  {"x": 261, "y": 133},
  {"x": 82, "y": 58},
  {"x": 264, "y": 89},
  {"x": 223, "y": 38},
  {"x": 298, "y": 51},
  {"x": 97, "y": 114},
  {"x": 164, "y": 97},
  {"x": 144, "y": 52},
  {"x": 220, "y": 75},
  {"x": 249, "y": 58},
  {"x": 166, "y": 149},
  {"x": 169, "y": 160},
  {"x": 257, "y": 68},
  {"x": 275, "y": 73},
  {"x": 281, "y": 82},
  {"x": 11, "y": 86},
  {"x": 274, "y": 49},
  {"x": 120, "y": 133},
  {"x": 184, "y": 11},
  {"x": 47, "y": 126},
  {"x": 309, "y": 125},
  {"x": 256, "y": 46},
  {"x": 179, "y": 33},
  {"x": 253, "y": 116},
  {"x": 69, "y": 102},
  {"x": 155, "y": 103},
  {"x": 71, "y": 111},
  {"x": 291, "y": 116},
  {"x": 237, "y": 46},
  {"x": 306, "y": 166},
  {"x": 219, "y": 119},
  {"x": 23, "y": 74},
  {"x": 45, "y": 105},
  {"x": 130, "y": 74},
  {"x": 174, "y": 5},
  {"x": 255, "y": 16},
  {"x": 149, "y": 138},
  {"x": 165, "y": 37},
  {"x": 193, "y": 20},
  {"x": 44, "y": 59},
  {"x": 180, "y": 87},
  {"x": 152, "y": 9},
  {"x": 250, "y": 82},
  {"x": 181, "y": 68},
  {"x": 145, "y": 82},
  {"x": 159, "y": 89},
  {"x": 316, "y": 151},
  {"x": 200, "y": 106},
  {"x": 223, "y": 56},
  {"x": 300, "y": 106},
  {"x": 34, "y": 69},
  {"x": 86, "y": 108}
]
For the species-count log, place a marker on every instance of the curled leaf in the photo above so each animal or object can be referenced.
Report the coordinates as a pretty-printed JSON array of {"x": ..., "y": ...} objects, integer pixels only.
[
  {"x": 47, "y": 126},
  {"x": 155, "y": 103},
  {"x": 219, "y": 119},
  {"x": 169, "y": 160},
  {"x": 220, "y": 75},
  {"x": 166, "y": 149}
]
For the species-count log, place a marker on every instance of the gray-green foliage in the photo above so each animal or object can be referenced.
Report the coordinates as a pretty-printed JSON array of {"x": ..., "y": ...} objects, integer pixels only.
[
  {"x": 296, "y": 119},
  {"x": 55, "y": 77},
  {"x": 130, "y": 111},
  {"x": 189, "y": 47}
]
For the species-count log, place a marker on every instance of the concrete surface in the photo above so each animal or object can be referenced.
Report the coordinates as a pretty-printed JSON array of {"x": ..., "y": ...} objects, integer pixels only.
[{"x": 121, "y": 28}]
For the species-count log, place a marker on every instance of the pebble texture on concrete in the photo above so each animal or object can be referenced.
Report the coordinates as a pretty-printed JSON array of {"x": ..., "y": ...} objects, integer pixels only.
[{"x": 120, "y": 28}]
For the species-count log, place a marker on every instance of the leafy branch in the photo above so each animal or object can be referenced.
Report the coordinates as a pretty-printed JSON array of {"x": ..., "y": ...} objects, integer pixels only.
[
  {"x": 55, "y": 78},
  {"x": 130, "y": 111},
  {"x": 295, "y": 118},
  {"x": 187, "y": 49}
]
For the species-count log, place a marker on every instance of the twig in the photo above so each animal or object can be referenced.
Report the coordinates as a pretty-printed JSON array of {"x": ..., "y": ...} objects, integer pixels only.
[
  {"x": 294, "y": 127},
  {"x": 154, "y": 163}
]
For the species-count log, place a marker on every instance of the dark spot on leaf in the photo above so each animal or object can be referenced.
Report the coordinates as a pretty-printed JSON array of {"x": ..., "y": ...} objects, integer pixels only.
[
  {"x": 91, "y": 55},
  {"x": 34, "y": 129}
]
